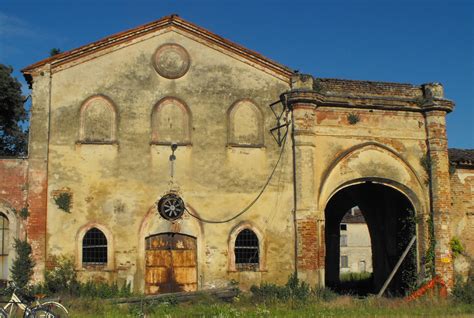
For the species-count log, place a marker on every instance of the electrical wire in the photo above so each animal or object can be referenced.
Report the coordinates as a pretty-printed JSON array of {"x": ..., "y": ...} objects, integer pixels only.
[{"x": 253, "y": 201}]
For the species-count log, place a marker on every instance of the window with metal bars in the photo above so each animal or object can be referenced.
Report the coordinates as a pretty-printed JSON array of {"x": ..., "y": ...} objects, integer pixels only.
[
  {"x": 4, "y": 227},
  {"x": 94, "y": 247},
  {"x": 246, "y": 250}
]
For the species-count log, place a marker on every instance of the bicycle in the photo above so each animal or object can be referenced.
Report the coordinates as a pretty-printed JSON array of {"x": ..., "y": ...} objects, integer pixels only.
[{"x": 31, "y": 306}]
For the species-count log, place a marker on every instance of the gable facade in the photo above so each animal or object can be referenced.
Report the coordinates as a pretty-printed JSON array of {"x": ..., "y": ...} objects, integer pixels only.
[{"x": 104, "y": 118}]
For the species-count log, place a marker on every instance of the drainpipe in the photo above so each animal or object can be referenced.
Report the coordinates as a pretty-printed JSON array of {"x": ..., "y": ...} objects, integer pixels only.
[{"x": 293, "y": 150}]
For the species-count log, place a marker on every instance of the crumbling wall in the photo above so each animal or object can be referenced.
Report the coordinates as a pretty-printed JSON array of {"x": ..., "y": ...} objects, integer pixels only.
[{"x": 462, "y": 217}]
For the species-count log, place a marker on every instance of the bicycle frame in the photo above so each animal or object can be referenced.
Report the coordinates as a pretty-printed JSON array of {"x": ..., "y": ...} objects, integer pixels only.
[{"x": 14, "y": 301}]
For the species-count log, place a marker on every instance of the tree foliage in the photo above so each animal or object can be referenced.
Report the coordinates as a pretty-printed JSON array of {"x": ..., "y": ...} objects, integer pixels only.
[
  {"x": 22, "y": 268},
  {"x": 13, "y": 137}
]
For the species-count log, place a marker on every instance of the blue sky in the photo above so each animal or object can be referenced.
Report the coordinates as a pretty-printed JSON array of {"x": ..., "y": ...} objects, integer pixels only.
[{"x": 403, "y": 41}]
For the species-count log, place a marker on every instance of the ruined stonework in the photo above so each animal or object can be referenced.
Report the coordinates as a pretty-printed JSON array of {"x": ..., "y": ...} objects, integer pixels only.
[
  {"x": 105, "y": 115},
  {"x": 462, "y": 213}
]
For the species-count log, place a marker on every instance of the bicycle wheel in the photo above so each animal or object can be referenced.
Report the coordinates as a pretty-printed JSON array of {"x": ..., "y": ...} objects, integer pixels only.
[
  {"x": 41, "y": 312},
  {"x": 56, "y": 308}
]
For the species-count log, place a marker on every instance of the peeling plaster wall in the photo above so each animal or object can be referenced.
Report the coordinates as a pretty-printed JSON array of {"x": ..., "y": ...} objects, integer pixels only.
[{"x": 117, "y": 184}]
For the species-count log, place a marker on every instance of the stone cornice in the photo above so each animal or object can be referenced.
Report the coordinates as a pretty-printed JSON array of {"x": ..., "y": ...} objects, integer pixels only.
[{"x": 311, "y": 98}]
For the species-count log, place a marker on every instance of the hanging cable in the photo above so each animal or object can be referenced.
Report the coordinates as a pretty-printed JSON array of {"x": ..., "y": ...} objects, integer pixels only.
[{"x": 254, "y": 200}]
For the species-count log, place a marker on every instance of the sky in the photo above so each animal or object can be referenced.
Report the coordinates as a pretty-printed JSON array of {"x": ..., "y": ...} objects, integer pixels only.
[{"x": 417, "y": 41}]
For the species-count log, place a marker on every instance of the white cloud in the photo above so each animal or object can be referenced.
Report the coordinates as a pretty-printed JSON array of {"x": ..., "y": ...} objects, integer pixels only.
[{"x": 11, "y": 26}]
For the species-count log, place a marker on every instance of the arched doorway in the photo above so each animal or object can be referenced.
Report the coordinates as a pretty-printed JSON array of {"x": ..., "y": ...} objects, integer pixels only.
[
  {"x": 170, "y": 263},
  {"x": 390, "y": 218}
]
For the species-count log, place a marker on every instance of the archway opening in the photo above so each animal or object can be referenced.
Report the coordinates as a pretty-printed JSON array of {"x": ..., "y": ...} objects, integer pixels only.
[{"x": 390, "y": 221}]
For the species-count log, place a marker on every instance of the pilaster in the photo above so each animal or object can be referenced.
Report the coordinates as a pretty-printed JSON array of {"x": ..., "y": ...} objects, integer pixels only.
[
  {"x": 439, "y": 182},
  {"x": 38, "y": 168}
]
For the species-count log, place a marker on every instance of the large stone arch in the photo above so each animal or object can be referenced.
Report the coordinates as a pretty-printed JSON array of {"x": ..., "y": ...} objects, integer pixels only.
[
  {"x": 382, "y": 167},
  {"x": 152, "y": 223},
  {"x": 375, "y": 162}
]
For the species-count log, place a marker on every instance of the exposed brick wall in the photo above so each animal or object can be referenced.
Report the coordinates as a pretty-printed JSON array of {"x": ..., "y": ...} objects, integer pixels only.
[
  {"x": 369, "y": 88},
  {"x": 13, "y": 176},
  {"x": 310, "y": 245},
  {"x": 440, "y": 193},
  {"x": 36, "y": 226}
]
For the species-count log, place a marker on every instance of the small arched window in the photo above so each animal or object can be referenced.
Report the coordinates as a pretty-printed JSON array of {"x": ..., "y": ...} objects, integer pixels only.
[
  {"x": 4, "y": 227},
  {"x": 4, "y": 245},
  {"x": 94, "y": 247},
  {"x": 246, "y": 249},
  {"x": 98, "y": 120},
  {"x": 245, "y": 125}
]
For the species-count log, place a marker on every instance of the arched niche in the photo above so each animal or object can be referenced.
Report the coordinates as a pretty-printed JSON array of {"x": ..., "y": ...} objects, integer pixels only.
[
  {"x": 171, "y": 122},
  {"x": 245, "y": 124},
  {"x": 98, "y": 120}
]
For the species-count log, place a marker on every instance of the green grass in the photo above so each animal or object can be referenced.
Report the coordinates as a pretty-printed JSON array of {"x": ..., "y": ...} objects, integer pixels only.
[{"x": 243, "y": 306}]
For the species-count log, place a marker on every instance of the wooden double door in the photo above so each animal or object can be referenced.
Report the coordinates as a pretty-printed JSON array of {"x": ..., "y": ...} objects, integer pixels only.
[{"x": 171, "y": 263}]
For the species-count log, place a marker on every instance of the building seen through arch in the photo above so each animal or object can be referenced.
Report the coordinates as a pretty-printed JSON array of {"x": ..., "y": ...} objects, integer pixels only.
[{"x": 159, "y": 168}]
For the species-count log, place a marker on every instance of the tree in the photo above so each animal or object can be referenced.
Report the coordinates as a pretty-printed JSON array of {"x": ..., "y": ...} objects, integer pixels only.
[
  {"x": 13, "y": 137},
  {"x": 23, "y": 264},
  {"x": 54, "y": 51}
]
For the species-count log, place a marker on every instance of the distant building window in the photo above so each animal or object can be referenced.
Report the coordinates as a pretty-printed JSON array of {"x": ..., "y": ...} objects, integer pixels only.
[
  {"x": 343, "y": 241},
  {"x": 344, "y": 261},
  {"x": 362, "y": 267},
  {"x": 94, "y": 247},
  {"x": 246, "y": 250},
  {"x": 343, "y": 227}
]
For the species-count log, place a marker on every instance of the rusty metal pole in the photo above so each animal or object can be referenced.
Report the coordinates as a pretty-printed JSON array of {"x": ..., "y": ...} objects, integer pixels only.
[{"x": 400, "y": 261}]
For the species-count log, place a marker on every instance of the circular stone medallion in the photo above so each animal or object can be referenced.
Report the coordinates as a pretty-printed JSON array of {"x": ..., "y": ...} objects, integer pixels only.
[{"x": 171, "y": 61}]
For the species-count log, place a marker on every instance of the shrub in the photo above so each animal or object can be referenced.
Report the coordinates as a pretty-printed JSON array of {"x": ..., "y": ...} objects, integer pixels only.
[
  {"x": 456, "y": 246},
  {"x": 464, "y": 293},
  {"x": 62, "y": 277},
  {"x": 294, "y": 289},
  {"x": 93, "y": 289},
  {"x": 23, "y": 264}
]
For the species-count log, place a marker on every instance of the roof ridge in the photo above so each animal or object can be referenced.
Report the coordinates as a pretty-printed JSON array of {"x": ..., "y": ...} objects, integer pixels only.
[{"x": 173, "y": 19}]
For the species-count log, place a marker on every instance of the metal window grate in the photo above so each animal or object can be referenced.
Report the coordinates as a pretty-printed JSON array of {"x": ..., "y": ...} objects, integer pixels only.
[
  {"x": 94, "y": 247},
  {"x": 246, "y": 250}
]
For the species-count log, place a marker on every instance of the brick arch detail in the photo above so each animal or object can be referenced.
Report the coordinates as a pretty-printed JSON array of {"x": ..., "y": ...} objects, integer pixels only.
[{"x": 415, "y": 192}]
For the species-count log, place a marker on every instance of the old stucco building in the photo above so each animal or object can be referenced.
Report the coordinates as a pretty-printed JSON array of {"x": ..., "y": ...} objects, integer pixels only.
[
  {"x": 355, "y": 245},
  {"x": 103, "y": 118}
]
